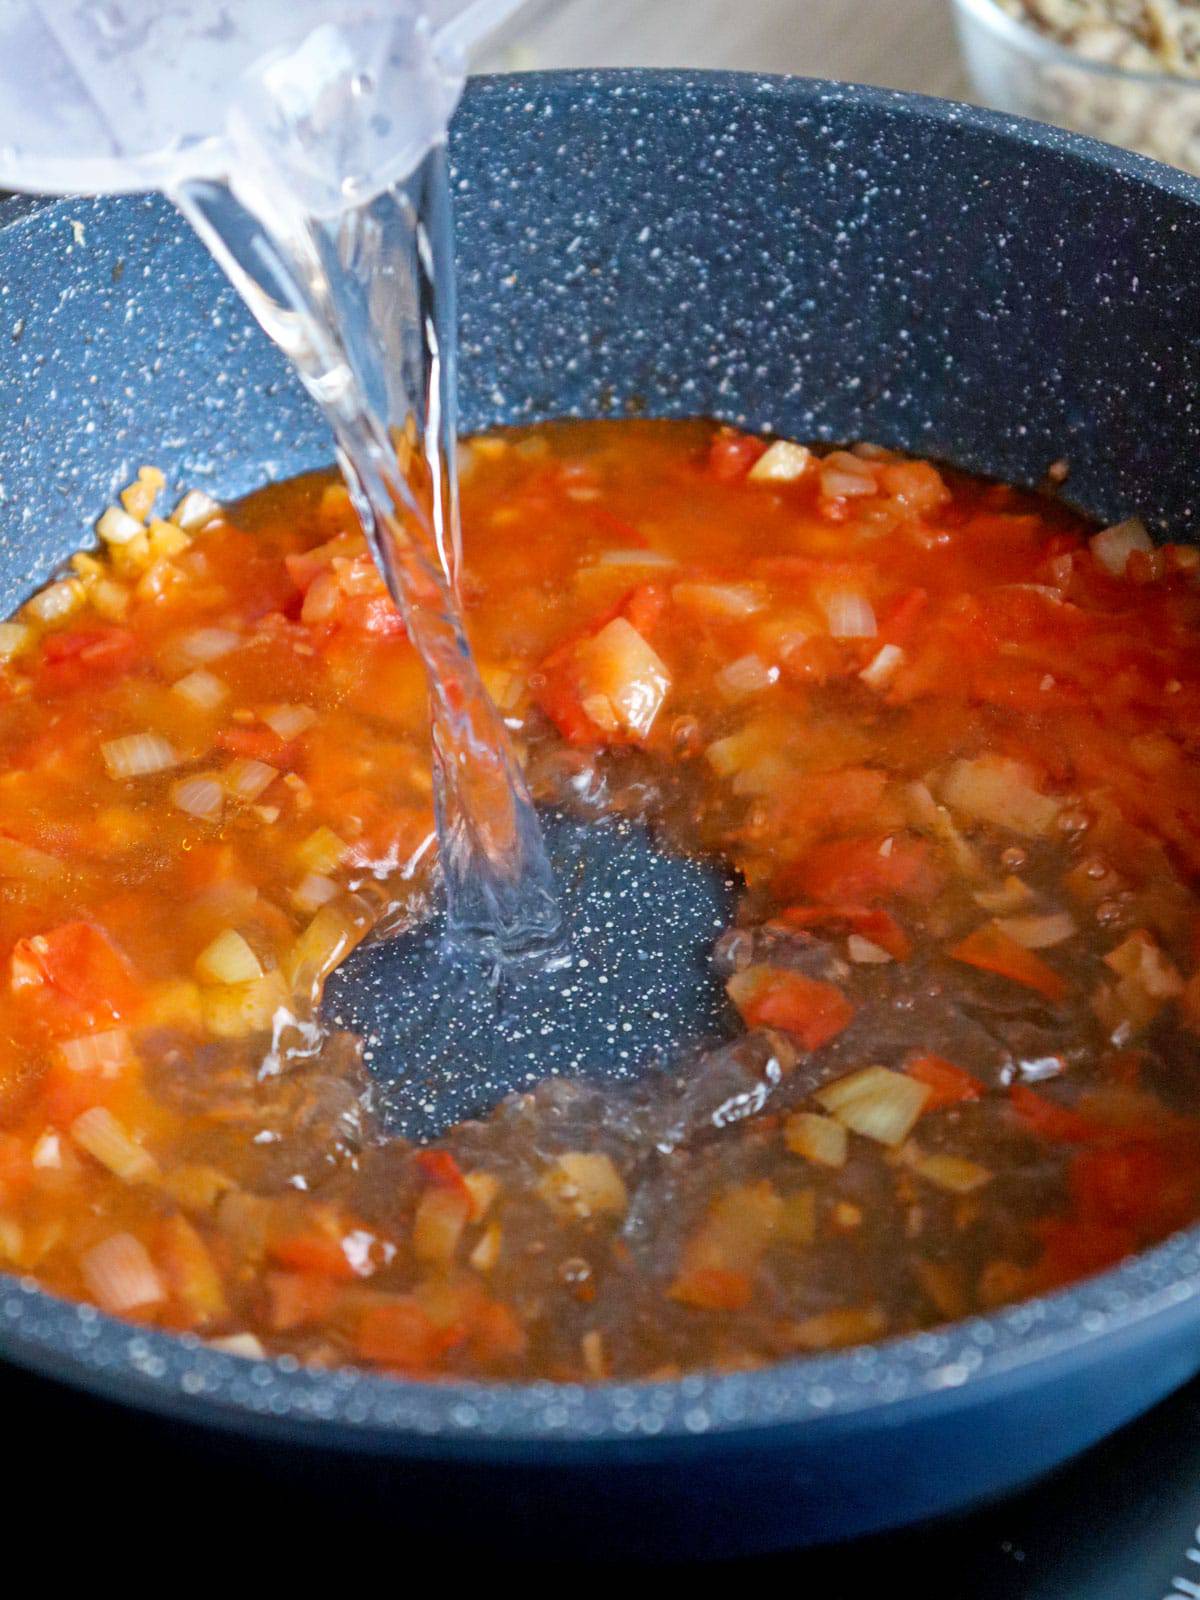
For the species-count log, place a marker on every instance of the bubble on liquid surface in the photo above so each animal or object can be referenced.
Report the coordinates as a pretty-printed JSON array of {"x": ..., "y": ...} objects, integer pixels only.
[{"x": 448, "y": 1037}]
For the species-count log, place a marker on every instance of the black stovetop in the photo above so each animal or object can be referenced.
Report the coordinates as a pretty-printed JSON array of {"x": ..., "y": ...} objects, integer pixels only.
[{"x": 1118, "y": 1524}]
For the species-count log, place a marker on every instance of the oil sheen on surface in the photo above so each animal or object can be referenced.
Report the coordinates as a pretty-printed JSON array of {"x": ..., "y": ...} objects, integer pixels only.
[{"x": 944, "y": 736}]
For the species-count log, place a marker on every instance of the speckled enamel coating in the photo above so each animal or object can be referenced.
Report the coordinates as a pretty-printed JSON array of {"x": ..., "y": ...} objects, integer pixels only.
[{"x": 826, "y": 261}]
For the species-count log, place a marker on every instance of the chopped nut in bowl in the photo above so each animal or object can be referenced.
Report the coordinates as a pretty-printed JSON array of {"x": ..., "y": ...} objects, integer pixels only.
[{"x": 1127, "y": 71}]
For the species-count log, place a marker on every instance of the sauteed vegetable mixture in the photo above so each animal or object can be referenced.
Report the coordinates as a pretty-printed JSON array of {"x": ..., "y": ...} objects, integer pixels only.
[{"x": 948, "y": 737}]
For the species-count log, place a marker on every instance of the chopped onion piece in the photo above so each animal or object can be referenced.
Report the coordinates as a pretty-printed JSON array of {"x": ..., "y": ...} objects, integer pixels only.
[
  {"x": 838, "y": 484},
  {"x": 735, "y": 600},
  {"x": 138, "y": 499},
  {"x": 1002, "y": 792},
  {"x": 246, "y": 779},
  {"x": 47, "y": 1152},
  {"x": 228, "y": 959},
  {"x": 781, "y": 462},
  {"x": 201, "y": 689},
  {"x": 953, "y": 1173},
  {"x": 328, "y": 939},
  {"x": 583, "y": 1183},
  {"x": 106, "y": 1140},
  {"x": 105, "y": 1053},
  {"x": 120, "y": 1275},
  {"x": 1039, "y": 932},
  {"x": 1012, "y": 895},
  {"x": 818, "y": 1138},
  {"x": 57, "y": 600},
  {"x": 877, "y": 1103},
  {"x": 118, "y": 527},
  {"x": 322, "y": 850},
  {"x": 745, "y": 676},
  {"x": 1112, "y": 547},
  {"x": 195, "y": 510},
  {"x": 635, "y": 558},
  {"x": 137, "y": 755},
  {"x": 245, "y": 1345},
  {"x": 14, "y": 637},
  {"x": 313, "y": 891},
  {"x": 208, "y": 644},
  {"x": 850, "y": 615},
  {"x": 289, "y": 722},
  {"x": 201, "y": 797},
  {"x": 864, "y": 952},
  {"x": 883, "y": 666},
  {"x": 623, "y": 677}
]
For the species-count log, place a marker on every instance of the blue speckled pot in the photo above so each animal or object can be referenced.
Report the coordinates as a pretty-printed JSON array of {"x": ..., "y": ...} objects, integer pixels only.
[{"x": 825, "y": 261}]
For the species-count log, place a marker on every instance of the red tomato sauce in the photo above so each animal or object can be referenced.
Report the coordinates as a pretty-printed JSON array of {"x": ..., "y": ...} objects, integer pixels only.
[{"x": 942, "y": 731}]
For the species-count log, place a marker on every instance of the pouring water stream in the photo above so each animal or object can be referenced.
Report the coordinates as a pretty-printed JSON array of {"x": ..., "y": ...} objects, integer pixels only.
[{"x": 324, "y": 196}]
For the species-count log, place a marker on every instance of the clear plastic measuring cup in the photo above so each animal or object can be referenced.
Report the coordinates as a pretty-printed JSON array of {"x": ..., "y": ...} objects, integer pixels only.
[{"x": 107, "y": 96}]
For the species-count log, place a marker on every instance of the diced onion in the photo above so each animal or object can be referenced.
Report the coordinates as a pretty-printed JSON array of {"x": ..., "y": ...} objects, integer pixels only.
[
  {"x": 208, "y": 644},
  {"x": 245, "y": 1345},
  {"x": 137, "y": 755},
  {"x": 1112, "y": 547},
  {"x": 850, "y": 615},
  {"x": 246, "y": 778},
  {"x": 1039, "y": 932},
  {"x": 14, "y": 637},
  {"x": 883, "y": 666},
  {"x": 953, "y": 1173},
  {"x": 635, "y": 558},
  {"x": 745, "y": 676},
  {"x": 322, "y": 850},
  {"x": 138, "y": 499},
  {"x": 734, "y": 600},
  {"x": 120, "y": 1275},
  {"x": 57, "y": 600},
  {"x": 817, "y": 1138},
  {"x": 228, "y": 959},
  {"x": 583, "y": 1183},
  {"x": 194, "y": 510},
  {"x": 106, "y": 1140},
  {"x": 837, "y": 484},
  {"x": 864, "y": 952},
  {"x": 118, "y": 527},
  {"x": 326, "y": 941},
  {"x": 877, "y": 1103},
  {"x": 621, "y": 668},
  {"x": 201, "y": 797},
  {"x": 46, "y": 1155},
  {"x": 289, "y": 721},
  {"x": 781, "y": 462},
  {"x": 1012, "y": 895},
  {"x": 1002, "y": 792},
  {"x": 201, "y": 689},
  {"x": 105, "y": 1053},
  {"x": 313, "y": 891}
]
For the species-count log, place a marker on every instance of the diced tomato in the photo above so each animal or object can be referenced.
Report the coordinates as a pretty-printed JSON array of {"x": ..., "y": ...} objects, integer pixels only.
[
  {"x": 66, "y": 1093},
  {"x": 713, "y": 1289},
  {"x": 398, "y": 1333},
  {"x": 992, "y": 950},
  {"x": 643, "y": 607},
  {"x": 73, "y": 973},
  {"x": 732, "y": 454},
  {"x": 297, "y": 1299},
  {"x": 16, "y": 1168},
  {"x": 948, "y": 1085},
  {"x": 313, "y": 1252},
  {"x": 1074, "y": 1248},
  {"x": 496, "y": 1337},
  {"x": 76, "y": 657},
  {"x": 1120, "y": 1185},
  {"x": 1050, "y": 1120},
  {"x": 439, "y": 1168},
  {"x": 774, "y": 997},
  {"x": 902, "y": 615},
  {"x": 256, "y": 744},
  {"x": 859, "y": 870}
]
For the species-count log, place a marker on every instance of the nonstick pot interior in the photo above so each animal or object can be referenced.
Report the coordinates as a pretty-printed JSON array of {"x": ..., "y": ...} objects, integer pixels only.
[{"x": 827, "y": 262}]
